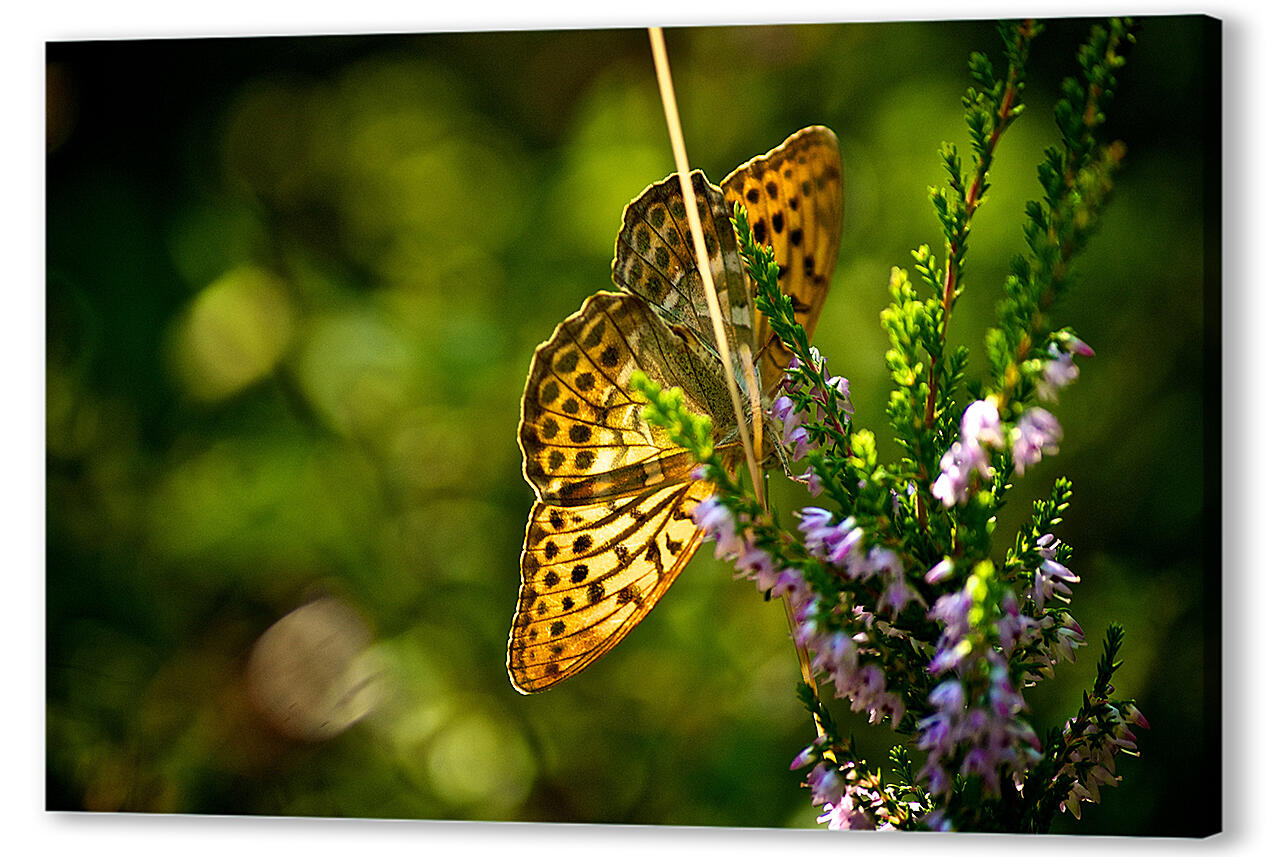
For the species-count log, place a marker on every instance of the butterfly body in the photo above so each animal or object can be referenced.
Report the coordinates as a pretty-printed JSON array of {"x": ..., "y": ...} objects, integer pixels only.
[{"x": 611, "y": 525}]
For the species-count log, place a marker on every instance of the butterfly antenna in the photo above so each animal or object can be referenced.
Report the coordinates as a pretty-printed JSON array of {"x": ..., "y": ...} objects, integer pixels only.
[{"x": 751, "y": 443}]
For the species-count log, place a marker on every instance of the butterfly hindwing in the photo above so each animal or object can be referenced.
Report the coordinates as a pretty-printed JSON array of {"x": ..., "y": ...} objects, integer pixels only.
[
  {"x": 589, "y": 573},
  {"x": 794, "y": 198}
]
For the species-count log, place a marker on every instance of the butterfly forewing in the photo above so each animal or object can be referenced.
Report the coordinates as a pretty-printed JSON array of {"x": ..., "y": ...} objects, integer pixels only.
[
  {"x": 654, "y": 259},
  {"x": 589, "y": 573},
  {"x": 794, "y": 198},
  {"x": 581, "y": 429}
]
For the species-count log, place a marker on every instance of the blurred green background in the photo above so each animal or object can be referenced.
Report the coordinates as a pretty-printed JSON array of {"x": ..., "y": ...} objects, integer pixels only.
[{"x": 294, "y": 285}]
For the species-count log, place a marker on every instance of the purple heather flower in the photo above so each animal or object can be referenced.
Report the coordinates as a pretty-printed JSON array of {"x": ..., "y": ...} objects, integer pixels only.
[
  {"x": 1005, "y": 698},
  {"x": 886, "y": 703},
  {"x": 1059, "y": 370},
  {"x": 817, "y": 359},
  {"x": 1047, "y": 546},
  {"x": 952, "y": 610},
  {"x": 1125, "y": 739},
  {"x": 785, "y": 410},
  {"x": 754, "y": 563},
  {"x": 986, "y": 737},
  {"x": 1131, "y": 714},
  {"x": 1037, "y": 433},
  {"x": 821, "y": 537},
  {"x": 863, "y": 687},
  {"x": 1078, "y": 793},
  {"x": 838, "y": 815},
  {"x": 936, "y": 821},
  {"x": 938, "y": 738},
  {"x": 1050, "y": 580},
  {"x": 881, "y": 559},
  {"x": 840, "y": 385},
  {"x": 898, "y": 500},
  {"x": 936, "y": 732},
  {"x": 757, "y": 565},
  {"x": 1091, "y": 762},
  {"x": 979, "y": 761},
  {"x": 896, "y": 596},
  {"x": 841, "y": 537},
  {"x": 1102, "y": 775},
  {"x": 767, "y": 579},
  {"x": 841, "y": 545},
  {"x": 788, "y": 382},
  {"x": 837, "y": 655},
  {"x": 808, "y": 632},
  {"x": 1014, "y": 628},
  {"x": 793, "y": 432},
  {"x": 859, "y": 820},
  {"x": 957, "y": 465},
  {"x": 980, "y": 427},
  {"x": 948, "y": 697},
  {"x": 814, "y": 521},
  {"x": 805, "y": 757},
  {"x": 951, "y": 486},
  {"x": 826, "y": 784},
  {"x": 980, "y": 423},
  {"x": 1063, "y": 638},
  {"x": 950, "y": 657},
  {"x": 798, "y": 438},
  {"x": 992, "y": 739},
  {"x": 1076, "y": 345},
  {"x": 940, "y": 572},
  {"x": 718, "y": 522},
  {"x": 843, "y": 542},
  {"x": 791, "y": 585},
  {"x": 890, "y": 704},
  {"x": 846, "y": 815},
  {"x": 897, "y": 592}
]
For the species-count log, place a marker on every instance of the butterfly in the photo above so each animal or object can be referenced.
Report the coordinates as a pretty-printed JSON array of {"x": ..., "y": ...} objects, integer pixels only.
[{"x": 611, "y": 526}]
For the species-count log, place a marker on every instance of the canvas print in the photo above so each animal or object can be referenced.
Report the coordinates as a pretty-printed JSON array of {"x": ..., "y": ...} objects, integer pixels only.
[{"x": 805, "y": 426}]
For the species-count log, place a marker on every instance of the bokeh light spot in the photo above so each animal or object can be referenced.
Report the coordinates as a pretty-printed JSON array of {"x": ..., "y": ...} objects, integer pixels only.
[
  {"x": 478, "y": 761},
  {"x": 234, "y": 333},
  {"x": 311, "y": 675}
]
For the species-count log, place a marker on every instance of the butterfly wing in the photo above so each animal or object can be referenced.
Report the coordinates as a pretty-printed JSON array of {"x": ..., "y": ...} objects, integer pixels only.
[
  {"x": 581, "y": 429},
  {"x": 610, "y": 529},
  {"x": 794, "y": 198},
  {"x": 654, "y": 259},
  {"x": 590, "y": 573}
]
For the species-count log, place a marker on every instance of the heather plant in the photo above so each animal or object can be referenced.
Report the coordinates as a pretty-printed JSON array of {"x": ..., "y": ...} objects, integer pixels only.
[{"x": 901, "y": 603}]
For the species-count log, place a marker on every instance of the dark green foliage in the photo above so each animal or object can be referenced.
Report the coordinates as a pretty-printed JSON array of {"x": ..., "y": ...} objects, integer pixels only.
[{"x": 1077, "y": 181}]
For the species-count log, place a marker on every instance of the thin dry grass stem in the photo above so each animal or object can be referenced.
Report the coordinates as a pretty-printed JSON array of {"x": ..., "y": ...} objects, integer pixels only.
[
  {"x": 757, "y": 418},
  {"x": 752, "y": 445},
  {"x": 667, "y": 89}
]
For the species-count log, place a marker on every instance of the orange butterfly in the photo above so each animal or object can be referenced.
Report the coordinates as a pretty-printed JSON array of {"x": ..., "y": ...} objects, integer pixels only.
[{"x": 611, "y": 527}]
